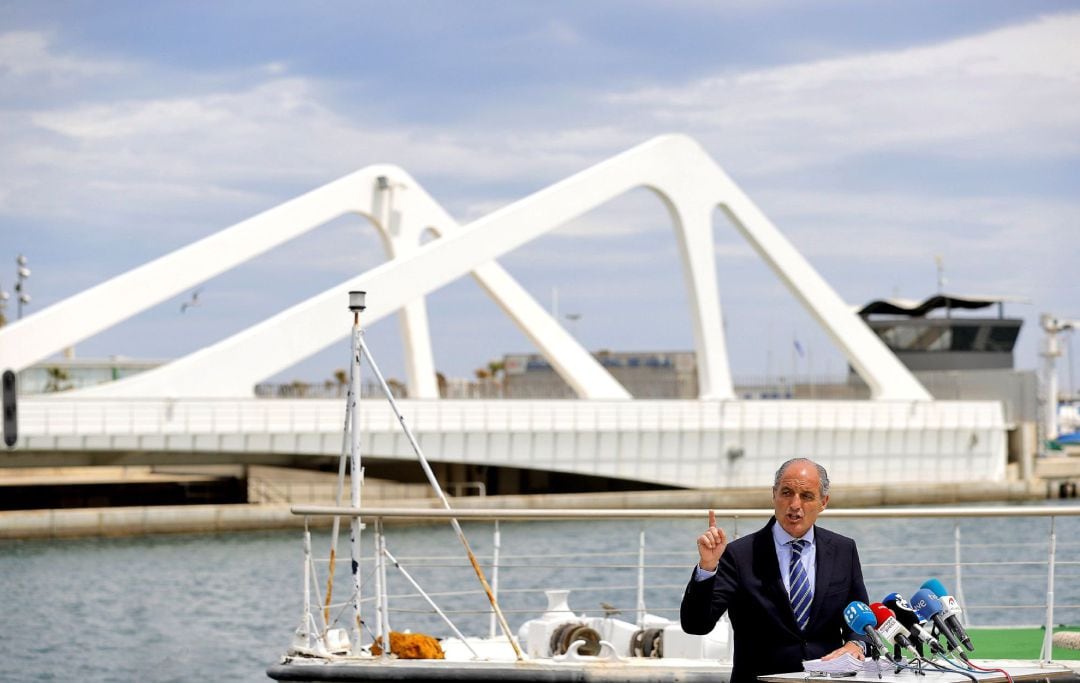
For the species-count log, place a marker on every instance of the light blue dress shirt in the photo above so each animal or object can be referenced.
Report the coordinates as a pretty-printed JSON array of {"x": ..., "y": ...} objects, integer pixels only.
[{"x": 781, "y": 541}]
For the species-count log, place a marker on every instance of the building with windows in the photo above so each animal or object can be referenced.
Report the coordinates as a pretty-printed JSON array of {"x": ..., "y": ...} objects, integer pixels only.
[{"x": 645, "y": 374}]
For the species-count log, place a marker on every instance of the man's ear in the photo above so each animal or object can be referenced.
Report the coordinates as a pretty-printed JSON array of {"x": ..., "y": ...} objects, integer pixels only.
[{"x": 824, "y": 502}]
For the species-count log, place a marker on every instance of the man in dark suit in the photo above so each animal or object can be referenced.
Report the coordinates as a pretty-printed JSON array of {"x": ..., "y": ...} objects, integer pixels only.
[{"x": 784, "y": 586}]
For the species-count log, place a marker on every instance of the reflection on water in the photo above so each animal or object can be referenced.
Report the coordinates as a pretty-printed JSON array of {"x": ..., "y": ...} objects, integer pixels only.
[{"x": 223, "y": 607}]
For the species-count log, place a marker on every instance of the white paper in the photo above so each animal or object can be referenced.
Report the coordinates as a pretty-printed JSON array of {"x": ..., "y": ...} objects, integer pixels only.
[{"x": 846, "y": 664}]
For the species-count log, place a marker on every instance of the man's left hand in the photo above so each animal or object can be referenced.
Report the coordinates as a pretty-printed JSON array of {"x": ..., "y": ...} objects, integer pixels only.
[{"x": 851, "y": 647}]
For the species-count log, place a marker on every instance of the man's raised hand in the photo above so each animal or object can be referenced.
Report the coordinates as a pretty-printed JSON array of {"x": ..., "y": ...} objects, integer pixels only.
[{"x": 711, "y": 544}]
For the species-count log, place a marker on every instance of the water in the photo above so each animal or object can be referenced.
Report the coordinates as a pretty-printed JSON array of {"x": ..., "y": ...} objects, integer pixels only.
[{"x": 223, "y": 607}]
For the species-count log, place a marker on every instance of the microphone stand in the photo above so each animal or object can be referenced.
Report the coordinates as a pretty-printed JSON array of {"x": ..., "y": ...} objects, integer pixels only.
[{"x": 875, "y": 655}]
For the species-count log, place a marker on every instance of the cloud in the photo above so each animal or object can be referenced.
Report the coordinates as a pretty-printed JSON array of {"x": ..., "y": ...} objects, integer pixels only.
[
  {"x": 241, "y": 151},
  {"x": 1010, "y": 91},
  {"x": 1005, "y": 93},
  {"x": 162, "y": 156},
  {"x": 27, "y": 55}
]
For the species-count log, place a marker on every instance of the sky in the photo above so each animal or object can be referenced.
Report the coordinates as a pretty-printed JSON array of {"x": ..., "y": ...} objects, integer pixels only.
[{"x": 880, "y": 137}]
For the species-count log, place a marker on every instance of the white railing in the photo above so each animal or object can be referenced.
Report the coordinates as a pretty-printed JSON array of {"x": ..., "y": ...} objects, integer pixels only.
[
  {"x": 675, "y": 443},
  {"x": 882, "y": 564}
]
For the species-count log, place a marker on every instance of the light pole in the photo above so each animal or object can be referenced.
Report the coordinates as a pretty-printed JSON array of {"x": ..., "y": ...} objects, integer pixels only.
[
  {"x": 23, "y": 274},
  {"x": 573, "y": 318}
]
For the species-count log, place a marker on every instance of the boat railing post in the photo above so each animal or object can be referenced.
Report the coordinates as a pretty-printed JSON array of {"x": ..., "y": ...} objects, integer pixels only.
[
  {"x": 307, "y": 576},
  {"x": 312, "y": 583},
  {"x": 1048, "y": 636},
  {"x": 641, "y": 580},
  {"x": 385, "y": 585},
  {"x": 494, "y": 576},
  {"x": 382, "y": 636},
  {"x": 304, "y": 624},
  {"x": 958, "y": 570},
  {"x": 382, "y": 591},
  {"x": 340, "y": 492}
]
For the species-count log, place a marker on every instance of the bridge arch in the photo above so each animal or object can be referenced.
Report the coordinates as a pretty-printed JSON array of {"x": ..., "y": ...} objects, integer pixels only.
[{"x": 672, "y": 166}]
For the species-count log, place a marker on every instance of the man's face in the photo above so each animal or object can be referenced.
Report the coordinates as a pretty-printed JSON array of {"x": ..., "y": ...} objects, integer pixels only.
[{"x": 797, "y": 499}]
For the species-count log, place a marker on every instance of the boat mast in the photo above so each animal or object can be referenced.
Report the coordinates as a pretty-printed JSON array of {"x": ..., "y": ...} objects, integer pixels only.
[
  {"x": 442, "y": 497},
  {"x": 356, "y": 472}
]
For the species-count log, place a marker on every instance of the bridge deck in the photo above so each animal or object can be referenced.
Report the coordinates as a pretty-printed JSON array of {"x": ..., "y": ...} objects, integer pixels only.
[{"x": 676, "y": 443}]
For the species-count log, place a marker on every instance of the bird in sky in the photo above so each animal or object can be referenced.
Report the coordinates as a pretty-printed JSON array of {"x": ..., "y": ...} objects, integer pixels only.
[{"x": 194, "y": 301}]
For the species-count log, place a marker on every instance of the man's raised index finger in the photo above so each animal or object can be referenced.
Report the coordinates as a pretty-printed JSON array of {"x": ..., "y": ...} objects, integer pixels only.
[{"x": 712, "y": 518}]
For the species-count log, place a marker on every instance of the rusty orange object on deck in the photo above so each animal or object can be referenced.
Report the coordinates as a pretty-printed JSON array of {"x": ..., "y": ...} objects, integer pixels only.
[{"x": 411, "y": 646}]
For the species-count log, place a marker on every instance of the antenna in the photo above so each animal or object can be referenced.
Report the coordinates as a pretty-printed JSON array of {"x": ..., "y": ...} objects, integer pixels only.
[{"x": 939, "y": 261}]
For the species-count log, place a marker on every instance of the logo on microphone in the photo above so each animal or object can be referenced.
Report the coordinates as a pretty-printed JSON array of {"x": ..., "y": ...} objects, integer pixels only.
[{"x": 900, "y": 601}]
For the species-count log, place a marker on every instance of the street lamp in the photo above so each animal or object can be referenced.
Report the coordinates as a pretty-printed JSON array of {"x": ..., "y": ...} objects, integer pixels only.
[
  {"x": 573, "y": 318},
  {"x": 23, "y": 274}
]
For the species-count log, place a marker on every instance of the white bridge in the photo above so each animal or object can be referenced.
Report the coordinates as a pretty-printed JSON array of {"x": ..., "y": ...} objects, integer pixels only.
[{"x": 203, "y": 403}]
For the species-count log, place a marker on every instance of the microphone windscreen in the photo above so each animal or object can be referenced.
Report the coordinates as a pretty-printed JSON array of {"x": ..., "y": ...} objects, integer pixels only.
[
  {"x": 895, "y": 598},
  {"x": 935, "y": 587},
  {"x": 900, "y": 607},
  {"x": 881, "y": 612},
  {"x": 858, "y": 616},
  {"x": 926, "y": 604}
]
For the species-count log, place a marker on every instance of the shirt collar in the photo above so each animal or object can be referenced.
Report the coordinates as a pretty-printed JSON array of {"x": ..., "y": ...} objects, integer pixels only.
[{"x": 782, "y": 537}]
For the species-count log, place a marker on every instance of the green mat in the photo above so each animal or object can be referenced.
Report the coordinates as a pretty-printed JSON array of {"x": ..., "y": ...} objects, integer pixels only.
[{"x": 1016, "y": 643}]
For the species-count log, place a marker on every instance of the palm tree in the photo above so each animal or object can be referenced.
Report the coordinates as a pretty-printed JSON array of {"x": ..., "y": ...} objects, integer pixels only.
[
  {"x": 342, "y": 379},
  {"x": 397, "y": 388},
  {"x": 57, "y": 376}
]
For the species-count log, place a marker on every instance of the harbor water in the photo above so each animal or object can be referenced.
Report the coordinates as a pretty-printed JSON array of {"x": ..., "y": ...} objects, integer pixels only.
[{"x": 222, "y": 607}]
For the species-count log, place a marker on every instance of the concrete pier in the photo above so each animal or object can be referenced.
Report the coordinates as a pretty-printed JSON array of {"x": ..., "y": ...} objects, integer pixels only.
[{"x": 89, "y": 522}]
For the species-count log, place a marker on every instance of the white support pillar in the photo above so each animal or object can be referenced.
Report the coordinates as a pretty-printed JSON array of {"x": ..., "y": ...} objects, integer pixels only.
[
  {"x": 419, "y": 359},
  {"x": 401, "y": 230},
  {"x": 693, "y": 229}
]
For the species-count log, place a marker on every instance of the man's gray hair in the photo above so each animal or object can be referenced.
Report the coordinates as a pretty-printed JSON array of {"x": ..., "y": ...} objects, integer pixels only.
[{"x": 822, "y": 475}]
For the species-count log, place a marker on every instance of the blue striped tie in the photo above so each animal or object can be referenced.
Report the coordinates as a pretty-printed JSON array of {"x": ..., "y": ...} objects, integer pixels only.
[{"x": 800, "y": 591}]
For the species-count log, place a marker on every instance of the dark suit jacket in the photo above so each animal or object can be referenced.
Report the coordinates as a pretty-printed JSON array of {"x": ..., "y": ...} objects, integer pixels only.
[{"x": 748, "y": 584}]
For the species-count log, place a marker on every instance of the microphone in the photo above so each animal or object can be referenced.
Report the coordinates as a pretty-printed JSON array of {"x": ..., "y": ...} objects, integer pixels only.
[
  {"x": 891, "y": 630},
  {"x": 951, "y": 611},
  {"x": 860, "y": 619},
  {"x": 907, "y": 617},
  {"x": 928, "y": 607}
]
